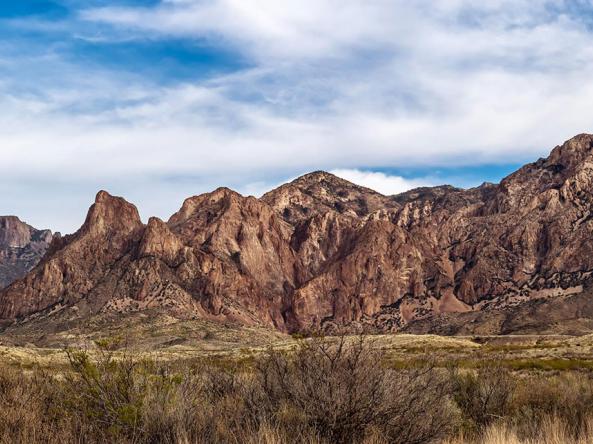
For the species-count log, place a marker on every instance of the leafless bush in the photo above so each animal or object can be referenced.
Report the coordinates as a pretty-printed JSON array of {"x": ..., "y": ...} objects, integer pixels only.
[{"x": 340, "y": 389}]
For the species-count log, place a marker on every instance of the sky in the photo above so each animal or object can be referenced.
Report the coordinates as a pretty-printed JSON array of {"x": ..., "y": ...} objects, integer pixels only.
[{"x": 159, "y": 100}]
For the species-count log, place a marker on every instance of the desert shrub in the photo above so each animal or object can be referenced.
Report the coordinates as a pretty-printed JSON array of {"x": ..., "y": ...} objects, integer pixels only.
[
  {"x": 339, "y": 389},
  {"x": 133, "y": 400},
  {"x": 109, "y": 393},
  {"x": 119, "y": 398},
  {"x": 484, "y": 395}
]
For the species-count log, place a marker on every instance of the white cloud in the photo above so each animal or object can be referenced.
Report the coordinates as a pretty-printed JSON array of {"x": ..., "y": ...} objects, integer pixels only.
[
  {"x": 332, "y": 28},
  {"x": 396, "y": 81},
  {"x": 271, "y": 27},
  {"x": 332, "y": 84},
  {"x": 381, "y": 182}
]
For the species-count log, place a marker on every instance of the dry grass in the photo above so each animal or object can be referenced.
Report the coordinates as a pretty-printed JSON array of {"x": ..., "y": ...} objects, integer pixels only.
[
  {"x": 553, "y": 431},
  {"x": 316, "y": 390},
  {"x": 323, "y": 391}
]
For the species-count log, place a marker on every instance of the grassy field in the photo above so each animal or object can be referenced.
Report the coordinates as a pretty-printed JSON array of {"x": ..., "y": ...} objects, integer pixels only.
[
  {"x": 165, "y": 380},
  {"x": 168, "y": 339}
]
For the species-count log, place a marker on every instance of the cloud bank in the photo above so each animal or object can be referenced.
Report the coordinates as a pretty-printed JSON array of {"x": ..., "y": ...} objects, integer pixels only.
[{"x": 347, "y": 85}]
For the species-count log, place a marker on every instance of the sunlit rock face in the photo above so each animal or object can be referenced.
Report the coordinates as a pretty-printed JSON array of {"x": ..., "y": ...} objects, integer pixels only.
[{"x": 321, "y": 252}]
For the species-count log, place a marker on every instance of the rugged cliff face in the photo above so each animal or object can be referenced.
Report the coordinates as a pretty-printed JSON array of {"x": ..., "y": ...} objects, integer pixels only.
[
  {"x": 321, "y": 252},
  {"x": 21, "y": 248}
]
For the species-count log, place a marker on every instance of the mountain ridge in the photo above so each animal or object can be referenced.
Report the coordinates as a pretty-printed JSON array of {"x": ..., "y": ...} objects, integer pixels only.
[{"x": 321, "y": 252}]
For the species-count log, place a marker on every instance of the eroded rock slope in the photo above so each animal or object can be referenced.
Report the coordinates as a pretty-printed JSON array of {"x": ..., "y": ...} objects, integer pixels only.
[{"x": 321, "y": 252}]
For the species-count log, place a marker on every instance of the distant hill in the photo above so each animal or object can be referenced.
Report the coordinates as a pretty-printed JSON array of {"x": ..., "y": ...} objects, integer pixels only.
[{"x": 21, "y": 248}]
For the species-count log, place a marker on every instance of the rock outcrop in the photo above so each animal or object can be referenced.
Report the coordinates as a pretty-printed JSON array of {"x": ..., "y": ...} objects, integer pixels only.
[
  {"x": 21, "y": 248},
  {"x": 320, "y": 252}
]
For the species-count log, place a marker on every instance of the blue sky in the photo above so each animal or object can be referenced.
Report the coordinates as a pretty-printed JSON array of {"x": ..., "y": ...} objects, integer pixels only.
[{"x": 157, "y": 100}]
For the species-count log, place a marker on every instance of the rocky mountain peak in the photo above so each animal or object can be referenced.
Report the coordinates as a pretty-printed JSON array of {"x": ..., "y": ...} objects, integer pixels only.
[
  {"x": 321, "y": 177},
  {"x": 320, "y": 192},
  {"x": 322, "y": 181},
  {"x": 13, "y": 232},
  {"x": 566, "y": 171},
  {"x": 216, "y": 201},
  {"x": 17, "y": 234},
  {"x": 425, "y": 193},
  {"x": 572, "y": 152},
  {"x": 158, "y": 241},
  {"x": 111, "y": 214},
  {"x": 563, "y": 161}
]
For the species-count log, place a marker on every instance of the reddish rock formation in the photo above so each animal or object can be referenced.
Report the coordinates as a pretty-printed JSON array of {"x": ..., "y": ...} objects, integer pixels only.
[
  {"x": 21, "y": 248},
  {"x": 321, "y": 252},
  {"x": 319, "y": 193},
  {"x": 76, "y": 264}
]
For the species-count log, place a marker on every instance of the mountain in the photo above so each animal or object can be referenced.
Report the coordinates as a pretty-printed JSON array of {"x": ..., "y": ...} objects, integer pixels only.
[
  {"x": 321, "y": 252},
  {"x": 21, "y": 248},
  {"x": 319, "y": 193}
]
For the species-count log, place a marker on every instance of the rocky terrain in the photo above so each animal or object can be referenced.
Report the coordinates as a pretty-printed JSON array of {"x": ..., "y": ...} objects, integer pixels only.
[
  {"x": 21, "y": 248},
  {"x": 321, "y": 252}
]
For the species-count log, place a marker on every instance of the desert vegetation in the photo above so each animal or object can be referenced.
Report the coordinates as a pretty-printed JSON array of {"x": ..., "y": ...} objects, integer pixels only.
[{"x": 320, "y": 390}]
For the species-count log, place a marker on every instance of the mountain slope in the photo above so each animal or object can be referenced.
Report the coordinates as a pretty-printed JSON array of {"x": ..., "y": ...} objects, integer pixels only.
[
  {"x": 321, "y": 252},
  {"x": 21, "y": 248}
]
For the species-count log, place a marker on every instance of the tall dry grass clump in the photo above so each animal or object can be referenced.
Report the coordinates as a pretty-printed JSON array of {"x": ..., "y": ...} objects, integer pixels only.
[
  {"x": 534, "y": 408},
  {"x": 30, "y": 408},
  {"x": 553, "y": 430},
  {"x": 568, "y": 397}
]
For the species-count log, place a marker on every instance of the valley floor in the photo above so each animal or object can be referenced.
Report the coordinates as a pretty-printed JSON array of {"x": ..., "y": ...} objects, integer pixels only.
[
  {"x": 211, "y": 382},
  {"x": 168, "y": 339}
]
